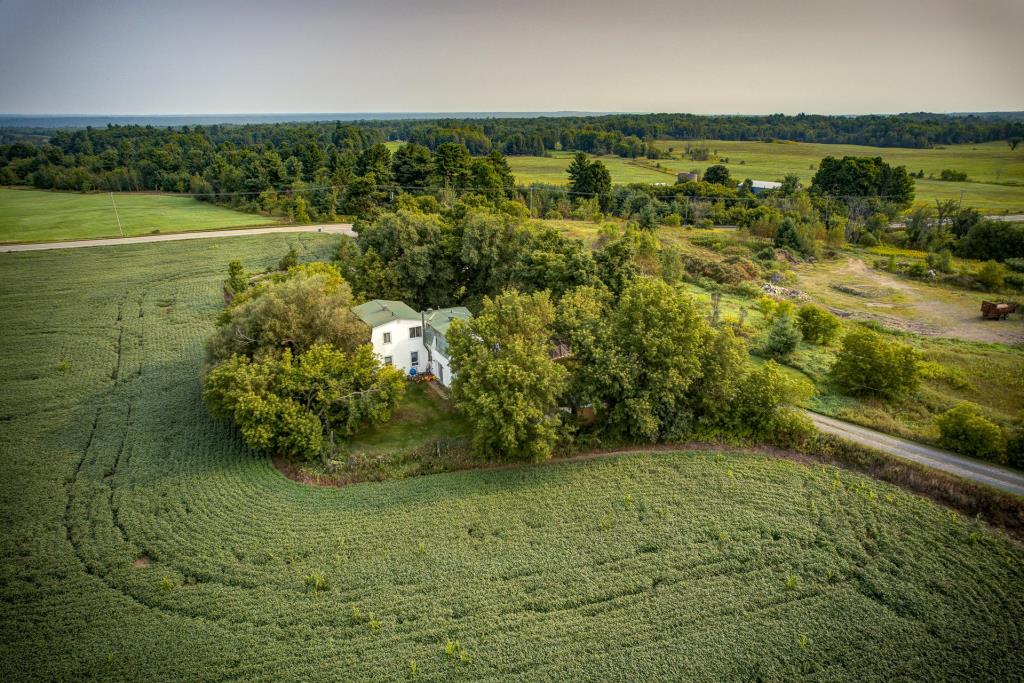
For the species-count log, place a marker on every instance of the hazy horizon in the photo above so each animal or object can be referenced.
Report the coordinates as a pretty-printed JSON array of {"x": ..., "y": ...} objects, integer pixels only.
[{"x": 119, "y": 58}]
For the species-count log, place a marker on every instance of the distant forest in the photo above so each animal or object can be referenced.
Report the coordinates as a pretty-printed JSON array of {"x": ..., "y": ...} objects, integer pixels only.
[{"x": 257, "y": 157}]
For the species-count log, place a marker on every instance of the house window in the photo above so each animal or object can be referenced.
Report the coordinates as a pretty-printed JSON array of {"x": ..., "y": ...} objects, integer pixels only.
[
  {"x": 415, "y": 358},
  {"x": 415, "y": 332},
  {"x": 387, "y": 337},
  {"x": 387, "y": 360}
]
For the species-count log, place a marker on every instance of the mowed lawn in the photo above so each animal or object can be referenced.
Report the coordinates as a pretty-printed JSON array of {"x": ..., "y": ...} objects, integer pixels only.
[
  {"x": 991, "y": 167},
  {"x": 143, "y": 541},
  {"x": 41, "y": 216}
]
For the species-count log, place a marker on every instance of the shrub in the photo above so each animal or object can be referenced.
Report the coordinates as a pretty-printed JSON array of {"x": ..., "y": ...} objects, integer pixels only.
[
  {"x": 289, "y": 260},
  {"x": 868, "y": 239},
  {"x": 673, "y": 220},
  {"x": 965, "y": 430},
  {"x": 991, "y": 276},
  {"x": 817, "y": 325},
  {"x": 237, "y": 281},
  {"x": 917, "y": 269},
  {"x": 783, "y": 337},
  {"x": 950, "y": 174},
  {"x": 1015, "y": 264},
  {"x": 990, "y": 239},
  {"x": 942, "y": 261},
  {"x": 870, "y": 364}
]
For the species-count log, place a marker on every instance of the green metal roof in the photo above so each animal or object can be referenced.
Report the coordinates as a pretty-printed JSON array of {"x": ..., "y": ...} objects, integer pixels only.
[
  {"x": 442, "y": 318},
  {"x": 380, "y": 311}
]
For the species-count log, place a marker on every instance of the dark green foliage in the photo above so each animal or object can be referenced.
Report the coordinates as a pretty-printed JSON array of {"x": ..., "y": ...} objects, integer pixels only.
[
  {"x": 863, "y": 177},
  {"x": 951, "y": 175},
  {"x": 783, "y": 336},
  {"x": 238, "y": 280},
  {"x": 868, "y": 239},
  {"x": 870, "y": 364},
  {"x": 990, "y": 239},
  {"x": 791, "y": 235},
  {"x": 817, "y": 325},
  {"x": 430, "y": 260},
  {"x": 452, "y": 166},
  {"x": 719, "y": 175},
  {"x": 289, "y": 260},
  {"x": 310, "y": 305},
  {"x": 286, "y": 406},
  {"x": 412, "y": 166},
  {"x": 653, "y": 369},
  {"x": 507, "y": 384},
  {"x": 964, "y": 429},
  {"x": 590, "y": 179}
]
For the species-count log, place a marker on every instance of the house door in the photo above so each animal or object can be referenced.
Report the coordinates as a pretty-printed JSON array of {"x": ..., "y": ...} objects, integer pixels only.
[{"x": 440, "y": 373}]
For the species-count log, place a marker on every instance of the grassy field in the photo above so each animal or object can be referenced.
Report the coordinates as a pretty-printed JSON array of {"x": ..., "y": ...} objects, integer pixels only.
[
  {"x": 39, "y": 216},
  {"x": 997, "y": 174},
  {"x": 142, "y": 541}
]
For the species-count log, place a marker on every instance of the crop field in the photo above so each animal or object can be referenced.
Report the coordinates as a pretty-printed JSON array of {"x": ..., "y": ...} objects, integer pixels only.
[
  {"x": 996, "y": 175},
  {"x": 41, "y": 216},
  {"x": 142, "y": 541}
]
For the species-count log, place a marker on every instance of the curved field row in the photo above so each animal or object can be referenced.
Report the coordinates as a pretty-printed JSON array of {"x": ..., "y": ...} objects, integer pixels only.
[{"x": 143, "y": 540}]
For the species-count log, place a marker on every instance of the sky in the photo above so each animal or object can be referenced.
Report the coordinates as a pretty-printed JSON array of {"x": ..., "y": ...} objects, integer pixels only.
[{"x": 734, "y": 56}]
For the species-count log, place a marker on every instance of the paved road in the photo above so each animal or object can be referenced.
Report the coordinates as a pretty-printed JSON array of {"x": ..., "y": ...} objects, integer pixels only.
[
  {"x": 993, "y": 475},
  {"x": 336, "y": 229}
]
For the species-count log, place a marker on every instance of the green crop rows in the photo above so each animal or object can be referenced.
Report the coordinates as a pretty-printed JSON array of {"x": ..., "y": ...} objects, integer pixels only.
[{"x": 142, "y": 541}]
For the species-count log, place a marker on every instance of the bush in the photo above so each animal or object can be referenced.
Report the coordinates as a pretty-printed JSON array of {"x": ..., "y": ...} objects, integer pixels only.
[
  {"x": 868, "y": 240},
  {"x": 950, "y": 174},
  {"x": 942, "y": 261},
  {"x": 289, "y": 260},
  {"x": 817, "y": 325},
  {"x": 237, "y": 281},
  {"x": 1015, "y": 264},
  {"x": 991, "y": 276},
  {"x": 965, "y": 430},
  {"x": 990, "y": 239},
  {"x": 673, "y": 220},
  {"x": 783, "y": 337},
  {"x": 869, "y": 364},
  {"x": 917, "y": 269}
]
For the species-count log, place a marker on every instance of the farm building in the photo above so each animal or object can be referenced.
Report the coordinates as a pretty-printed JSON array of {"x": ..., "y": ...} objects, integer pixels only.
[
  {"x": 759, "y": 186},
  {"x": 413, "y": 342}
]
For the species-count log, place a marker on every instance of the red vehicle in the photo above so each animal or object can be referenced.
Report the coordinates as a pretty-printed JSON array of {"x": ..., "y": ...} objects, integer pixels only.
[{"x": 990, "y": 310}]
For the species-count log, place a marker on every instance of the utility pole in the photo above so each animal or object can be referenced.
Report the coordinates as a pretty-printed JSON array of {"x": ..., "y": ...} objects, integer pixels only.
[
  {"x": 119, "y": 229},
  {"x": 531, "y": 202}
]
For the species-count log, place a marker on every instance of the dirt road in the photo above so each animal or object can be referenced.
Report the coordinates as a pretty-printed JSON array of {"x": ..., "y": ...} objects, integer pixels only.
[
  {"x": 335, "y": 229},
  {"x": 997, "y": 477}
]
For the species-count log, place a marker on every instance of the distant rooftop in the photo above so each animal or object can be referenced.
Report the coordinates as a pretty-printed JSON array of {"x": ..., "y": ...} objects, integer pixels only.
[
  {"x": 380, "y": 311},
  {"x": 765, "y": 184}
]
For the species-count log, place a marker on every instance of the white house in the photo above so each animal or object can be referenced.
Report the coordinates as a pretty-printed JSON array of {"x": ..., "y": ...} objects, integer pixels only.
[{"x": 413, "y": 342}]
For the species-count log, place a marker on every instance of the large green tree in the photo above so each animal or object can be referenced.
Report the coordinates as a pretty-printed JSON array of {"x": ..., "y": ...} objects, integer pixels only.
[
  {"x": 506, "y": 382},
  {"x": 291, "y": 405},
  {"x": 311, "y": 304},
  {"x": 864, "y": 177},
  {"x": 412, "y": 166}
]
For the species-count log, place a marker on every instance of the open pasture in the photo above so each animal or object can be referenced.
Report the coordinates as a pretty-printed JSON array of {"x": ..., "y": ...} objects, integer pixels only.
[
  {"x": 41, "y": 216},
  {"x": 142, "y": 540},
  {"x": 996, "y": 175}
]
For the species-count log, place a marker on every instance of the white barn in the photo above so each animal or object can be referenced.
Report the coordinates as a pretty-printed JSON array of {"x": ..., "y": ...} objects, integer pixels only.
[{"x": 413, "y": 342}]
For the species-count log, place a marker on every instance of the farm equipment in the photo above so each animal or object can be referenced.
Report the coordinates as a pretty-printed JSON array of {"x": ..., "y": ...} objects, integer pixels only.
[{"x": 990, "y": 310}]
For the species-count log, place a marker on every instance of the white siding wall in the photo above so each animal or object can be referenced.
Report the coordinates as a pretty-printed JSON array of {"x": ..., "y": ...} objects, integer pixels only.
[
  {"x": 401, "y": 347},
  {"x": 442, "y": 367}
]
